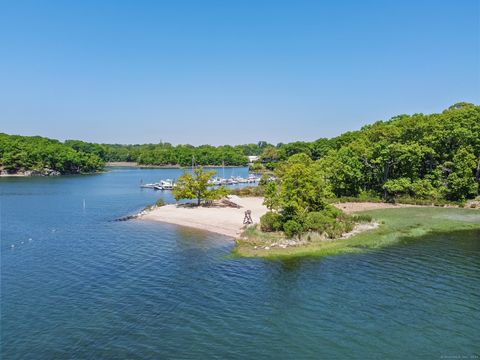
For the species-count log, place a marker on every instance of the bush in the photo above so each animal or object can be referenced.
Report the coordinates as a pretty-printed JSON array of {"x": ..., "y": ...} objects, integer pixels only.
[
  {"x": 257, "y": 166},
  {"x": 368, "y": 195},
  {"x": 248, "y": 191},
  {"x": 339, "y": 228},
  {"x": 332, "y": 222},
  {"x": 271, "y": 222},
  {"x": 362, "y": 218},
  {"x": 318, "y": 221},
  {"x": 292, "y": 228},
  {"x": 333, "y": 212},
  {"x": 160, "y": 202}
]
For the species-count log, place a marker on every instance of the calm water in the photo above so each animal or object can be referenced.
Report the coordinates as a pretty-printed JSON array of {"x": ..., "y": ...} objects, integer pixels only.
[{"x": 77, "y": 285}]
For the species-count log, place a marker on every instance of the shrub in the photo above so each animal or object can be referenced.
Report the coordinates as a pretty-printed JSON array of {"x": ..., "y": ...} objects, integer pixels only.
[
  {"x": 160, "y": 202},
  {"x": 318, "y": 221},
  {"x": 271, "y": 165},
  {"x": 368, "y": 195},
  {"x": 333, "y": 212},
  {"x": 248, "y": 191},
  {"x": 271, "y": 222},
  {"x": 339, "y": 228},
  {"x": 292, "y": 228},
  {"x": 362, "y": 218},
  {"x": 257, "y": 166}
]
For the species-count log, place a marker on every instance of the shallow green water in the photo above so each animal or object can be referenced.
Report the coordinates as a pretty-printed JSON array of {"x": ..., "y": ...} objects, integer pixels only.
[{"x": 77, "y": 285}]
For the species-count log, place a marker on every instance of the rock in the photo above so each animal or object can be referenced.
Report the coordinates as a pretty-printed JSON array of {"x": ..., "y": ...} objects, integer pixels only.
[
  {"x": 126, "y": 218},
  {"x": 43, "y": 172}
]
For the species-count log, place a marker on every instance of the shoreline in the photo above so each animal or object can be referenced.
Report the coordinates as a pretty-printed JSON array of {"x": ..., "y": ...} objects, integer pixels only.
[
  {"x": 146, "y": 166},
  {"x": 390, "y": 224},
  {"x": 394, "y": 225},
  {"x": 226, "y": 221},
  {"x": 23, "y": 175}
]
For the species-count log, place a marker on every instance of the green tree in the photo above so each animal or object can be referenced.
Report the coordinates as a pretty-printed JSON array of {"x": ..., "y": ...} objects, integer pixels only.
[
  {"x": 300, "y": 188},
  {"x": 344, "y": 171},
  {"x": 271, "y": 199},
  {"x": 461, "y": 182},
  {"x": 195, "y": 186}
]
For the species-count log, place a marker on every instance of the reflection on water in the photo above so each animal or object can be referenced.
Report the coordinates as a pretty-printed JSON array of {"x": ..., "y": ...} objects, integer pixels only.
[{"x": 77, "y": 285}]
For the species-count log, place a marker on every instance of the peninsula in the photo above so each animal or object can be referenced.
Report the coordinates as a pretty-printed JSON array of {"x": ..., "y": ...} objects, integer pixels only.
[
  {"x": 223, "y": 220},
  {"x": 391, "y": 223}
]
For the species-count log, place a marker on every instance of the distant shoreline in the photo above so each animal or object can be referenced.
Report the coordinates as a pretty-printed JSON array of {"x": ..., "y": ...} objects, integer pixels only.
[
  {"x": 14, "y": 175},
  {"x": 133, "y": 164}
]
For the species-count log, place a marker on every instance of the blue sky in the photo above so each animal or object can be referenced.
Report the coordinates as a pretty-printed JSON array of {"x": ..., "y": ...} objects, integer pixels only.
[{"x": 226, "y": 71}]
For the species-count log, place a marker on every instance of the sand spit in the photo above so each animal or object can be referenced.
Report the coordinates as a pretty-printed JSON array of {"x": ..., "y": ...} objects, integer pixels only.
[{"x": 222, "y": 220}]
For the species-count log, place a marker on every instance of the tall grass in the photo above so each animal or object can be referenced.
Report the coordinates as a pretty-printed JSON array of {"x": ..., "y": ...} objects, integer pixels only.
[
  {"x": 395, "y": 225},
  {"x": 248, "y": 191}
]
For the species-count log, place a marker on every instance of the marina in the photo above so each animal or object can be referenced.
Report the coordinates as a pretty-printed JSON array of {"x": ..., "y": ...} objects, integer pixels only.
[{"x": 169, "y": 184}]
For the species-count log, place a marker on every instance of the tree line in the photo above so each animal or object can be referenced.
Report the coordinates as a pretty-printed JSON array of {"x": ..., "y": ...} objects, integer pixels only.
[
  {"x": 35, "y": 153},
  {"x": 434, "y": 156},
  {"x": 166, "y": 154},
  {"x": 429, "y": 157}
]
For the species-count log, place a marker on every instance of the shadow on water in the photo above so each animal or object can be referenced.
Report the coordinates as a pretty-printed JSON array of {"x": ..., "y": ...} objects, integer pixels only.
[
  {"x": 291, "y": 265},
  {"x": 463, "y": 239}
]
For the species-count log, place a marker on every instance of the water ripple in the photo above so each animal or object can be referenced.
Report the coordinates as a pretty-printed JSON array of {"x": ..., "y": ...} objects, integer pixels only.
[{"x": 85, "y": 287}]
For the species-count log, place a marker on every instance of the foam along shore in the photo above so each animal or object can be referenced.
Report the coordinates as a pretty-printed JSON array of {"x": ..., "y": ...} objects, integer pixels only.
[{"x": 221, "y": 220}]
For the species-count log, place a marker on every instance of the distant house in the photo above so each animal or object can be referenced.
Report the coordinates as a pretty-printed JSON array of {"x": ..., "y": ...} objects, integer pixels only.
[{"x": 252, "y": 159}]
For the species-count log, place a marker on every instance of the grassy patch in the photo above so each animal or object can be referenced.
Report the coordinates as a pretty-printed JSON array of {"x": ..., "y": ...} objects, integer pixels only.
[
  {"x": 248, "y": 191},
  {"x": 395, "y": 225}
]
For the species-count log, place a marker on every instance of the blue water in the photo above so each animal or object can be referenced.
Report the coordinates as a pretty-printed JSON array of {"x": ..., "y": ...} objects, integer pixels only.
[{"x": 76, "y": 285}]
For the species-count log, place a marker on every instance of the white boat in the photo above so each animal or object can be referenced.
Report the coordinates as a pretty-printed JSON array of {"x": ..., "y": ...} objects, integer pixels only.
[
  {"x": 149, "y": 186},
  {"x": 216, "y": 181},
  {"x": 253, "y": 179},
  {"x": 241, "y": 180},
  {"x": 161, "y": 185},
  {"x": 167, "y": 184}
]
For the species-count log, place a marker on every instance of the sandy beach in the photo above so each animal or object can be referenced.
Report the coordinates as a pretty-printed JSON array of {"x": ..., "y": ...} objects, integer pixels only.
[
  {"x": 222, "y": 220},
  {"x": 229, "y": 221}
]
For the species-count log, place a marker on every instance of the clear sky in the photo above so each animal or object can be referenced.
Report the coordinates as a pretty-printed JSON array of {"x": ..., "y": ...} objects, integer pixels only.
[{"x": 230, "y": 71}]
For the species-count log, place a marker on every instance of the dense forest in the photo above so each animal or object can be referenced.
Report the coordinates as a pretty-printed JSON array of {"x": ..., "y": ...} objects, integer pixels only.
[
  {"x": 36, "y": 155},
  {"x": 166, "y": 154},
  {"x": 420, "y": 156},
  {"x": 434, "y": 156},
  {"x": 427, "y": 158}
]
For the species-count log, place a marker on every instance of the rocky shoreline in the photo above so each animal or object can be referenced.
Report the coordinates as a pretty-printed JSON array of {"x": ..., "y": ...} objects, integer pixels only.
[{"x": 43, "y": 172}]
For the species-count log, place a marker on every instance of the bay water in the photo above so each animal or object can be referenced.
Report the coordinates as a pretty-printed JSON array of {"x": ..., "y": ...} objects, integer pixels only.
[{"x": 77, "y": 285}]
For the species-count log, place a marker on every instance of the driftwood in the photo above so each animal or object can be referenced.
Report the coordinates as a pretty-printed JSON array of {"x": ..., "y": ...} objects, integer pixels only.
[{"x": 229, "y": 203}]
